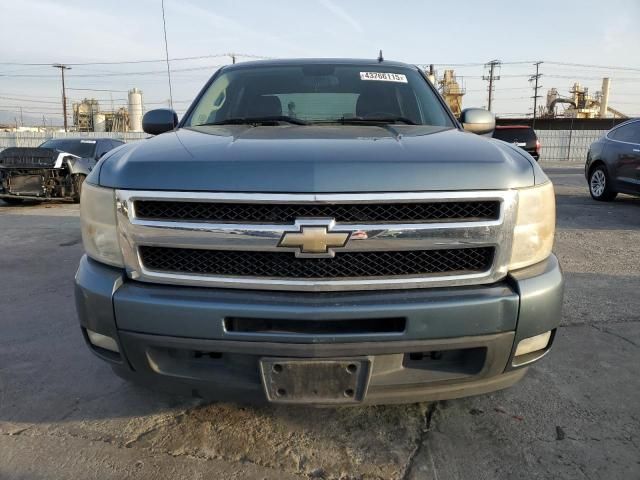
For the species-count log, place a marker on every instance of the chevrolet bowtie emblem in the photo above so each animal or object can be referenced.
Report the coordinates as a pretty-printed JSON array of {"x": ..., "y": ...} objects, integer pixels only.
[{"x": 314, "y": 240}]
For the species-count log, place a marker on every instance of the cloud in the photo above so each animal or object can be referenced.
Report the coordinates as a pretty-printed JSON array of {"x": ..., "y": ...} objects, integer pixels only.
[{"x": 339, "y": 12}]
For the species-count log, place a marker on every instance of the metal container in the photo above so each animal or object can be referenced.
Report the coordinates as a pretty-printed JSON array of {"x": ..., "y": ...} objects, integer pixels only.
[{"x": 135, "y": 110}]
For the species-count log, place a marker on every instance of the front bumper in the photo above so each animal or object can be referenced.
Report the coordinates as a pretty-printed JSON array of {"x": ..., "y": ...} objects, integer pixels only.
[
  {"x": 453, "y": 341},
  {"x": 31, "y": 184}
]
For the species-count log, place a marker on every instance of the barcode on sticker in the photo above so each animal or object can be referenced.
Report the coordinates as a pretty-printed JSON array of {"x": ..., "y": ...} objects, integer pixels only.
[{"x": 383, "y": 77}]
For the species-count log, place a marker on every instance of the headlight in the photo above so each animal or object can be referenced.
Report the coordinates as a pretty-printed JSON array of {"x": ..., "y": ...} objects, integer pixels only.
[
  {"x": 98, "y": 220},
  {"x": 535, "y": 226}
]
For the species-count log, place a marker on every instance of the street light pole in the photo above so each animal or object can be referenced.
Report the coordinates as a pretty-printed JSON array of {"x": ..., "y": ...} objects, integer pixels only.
[{"x": 64, "y": 92}]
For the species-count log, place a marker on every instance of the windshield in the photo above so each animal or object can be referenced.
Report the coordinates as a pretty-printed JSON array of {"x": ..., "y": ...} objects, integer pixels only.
[
  {"x": 320, "y": 93},
  {"x": 81, "y": 148},
  {"x": 514, "y": 134}
]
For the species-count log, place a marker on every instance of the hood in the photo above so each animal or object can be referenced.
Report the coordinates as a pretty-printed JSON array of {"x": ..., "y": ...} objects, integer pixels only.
[
  {"x": 316, "y": 159},
  {"x": 32, "y": 157}
]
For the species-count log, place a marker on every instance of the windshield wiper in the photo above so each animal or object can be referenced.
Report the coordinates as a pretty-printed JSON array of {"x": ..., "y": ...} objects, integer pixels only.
[
  {"x": 368, "y": 120},
  {"x": 256, "y": 120}
]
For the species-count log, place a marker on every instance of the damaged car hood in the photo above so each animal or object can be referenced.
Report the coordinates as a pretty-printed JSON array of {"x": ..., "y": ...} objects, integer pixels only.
[{"x": 27, "y": 157}]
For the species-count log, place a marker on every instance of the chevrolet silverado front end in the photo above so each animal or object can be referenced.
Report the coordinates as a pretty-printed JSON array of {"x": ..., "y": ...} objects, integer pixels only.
[{"x": 319, "y": 232}]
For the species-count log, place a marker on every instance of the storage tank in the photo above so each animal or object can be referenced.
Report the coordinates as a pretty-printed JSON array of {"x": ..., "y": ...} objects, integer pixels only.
[
  {"x": 135, "y": 110},
  {"x": 99, "y": 122}
]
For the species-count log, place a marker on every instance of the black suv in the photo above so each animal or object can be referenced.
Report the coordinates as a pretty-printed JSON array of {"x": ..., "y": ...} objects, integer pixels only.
[
  {"x": 521, "y": 136},
  {"x": 613, "y": 162}
]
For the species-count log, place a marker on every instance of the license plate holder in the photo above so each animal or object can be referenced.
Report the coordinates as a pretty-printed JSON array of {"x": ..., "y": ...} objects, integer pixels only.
[{"x": 323, "y": 381}]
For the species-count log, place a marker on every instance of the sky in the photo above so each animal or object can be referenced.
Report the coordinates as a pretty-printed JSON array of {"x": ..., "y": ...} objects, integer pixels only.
[{"x": 463, "y": 35}]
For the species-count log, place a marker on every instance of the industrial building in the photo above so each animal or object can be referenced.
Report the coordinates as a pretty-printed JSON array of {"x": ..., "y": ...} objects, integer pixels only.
[
  {"x": 450, "y": 88},
  {"x": 88, "y": 116},
  {"x": 581, "y": 104}
]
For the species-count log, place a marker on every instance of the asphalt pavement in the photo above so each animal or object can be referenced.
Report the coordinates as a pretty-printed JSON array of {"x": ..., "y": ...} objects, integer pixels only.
[{"x": 576, "y": 415}]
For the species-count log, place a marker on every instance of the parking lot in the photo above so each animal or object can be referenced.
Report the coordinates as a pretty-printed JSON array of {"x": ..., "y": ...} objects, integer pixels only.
[{"x": 63, "y": 414}]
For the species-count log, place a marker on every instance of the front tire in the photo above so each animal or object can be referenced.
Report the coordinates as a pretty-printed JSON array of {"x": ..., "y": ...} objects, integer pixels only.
[
  {"x": 78, "y": 180},
  {"x": 600, "y": 185}
]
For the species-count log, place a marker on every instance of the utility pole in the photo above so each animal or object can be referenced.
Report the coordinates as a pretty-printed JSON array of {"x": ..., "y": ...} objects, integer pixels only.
[
  {"x": 535, "y": 78},
  {"x": 64, "y": 92},
  {"x": 492, "y": 77}
]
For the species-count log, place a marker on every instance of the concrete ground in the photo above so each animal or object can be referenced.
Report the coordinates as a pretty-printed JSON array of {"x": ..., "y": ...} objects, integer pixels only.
[{"x": 63, "y": 414}]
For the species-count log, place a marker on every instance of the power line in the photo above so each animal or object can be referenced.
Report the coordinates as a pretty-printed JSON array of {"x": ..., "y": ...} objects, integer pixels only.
[
  {"x": 134, "y": 62},
  {"x": 114, "y": 74},
  {"x": 586, "y": 65},
  {"x": 96, "y": 90},
  {"x": 528, "y": 62},
  {"x": 28, "y": 100},
  {"x": 29, "y": 96},
  {"x": 582, "y": 77}
]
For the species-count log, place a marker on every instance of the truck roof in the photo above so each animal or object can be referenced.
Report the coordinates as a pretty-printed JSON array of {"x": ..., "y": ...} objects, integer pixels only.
[{"x": 316, "y": 61}]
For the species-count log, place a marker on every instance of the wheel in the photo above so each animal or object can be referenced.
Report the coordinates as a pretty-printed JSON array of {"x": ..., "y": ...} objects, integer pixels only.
[
  {"x": 12, "y": 201},
  {"x": 78, "y": 180},
  {"x": 600, "y": 185}
]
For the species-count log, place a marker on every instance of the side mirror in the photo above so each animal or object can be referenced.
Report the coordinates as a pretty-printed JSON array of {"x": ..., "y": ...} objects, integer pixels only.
[
  {"x": 159, "y": 121},
  {"x": 478, "y": 120}
]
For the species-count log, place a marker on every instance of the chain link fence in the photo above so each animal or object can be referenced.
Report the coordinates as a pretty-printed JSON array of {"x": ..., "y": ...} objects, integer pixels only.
[{"x": 567, "y": 145}]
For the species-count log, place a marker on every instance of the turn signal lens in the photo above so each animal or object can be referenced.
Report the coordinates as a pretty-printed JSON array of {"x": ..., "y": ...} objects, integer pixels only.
[
  {"x": 533, "y": 344},
  {"x": 102, "y": 341}
]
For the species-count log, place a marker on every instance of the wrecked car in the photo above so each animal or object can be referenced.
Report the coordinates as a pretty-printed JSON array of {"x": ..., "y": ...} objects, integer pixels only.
[{"x": 53, "y": 171}]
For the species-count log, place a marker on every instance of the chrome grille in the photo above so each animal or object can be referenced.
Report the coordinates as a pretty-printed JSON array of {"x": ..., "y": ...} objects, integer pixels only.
[
  {"x": 344, "y": 265},
  {"x": 395, "y": 240},
  {"x": 282, "y": 213}
]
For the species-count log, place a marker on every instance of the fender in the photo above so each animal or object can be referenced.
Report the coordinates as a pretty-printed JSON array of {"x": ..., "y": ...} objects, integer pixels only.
[{"x": 78, "y": 165}]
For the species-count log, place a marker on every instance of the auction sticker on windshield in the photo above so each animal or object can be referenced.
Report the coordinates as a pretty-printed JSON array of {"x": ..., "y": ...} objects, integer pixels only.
[{"x": 383, "y": 77}]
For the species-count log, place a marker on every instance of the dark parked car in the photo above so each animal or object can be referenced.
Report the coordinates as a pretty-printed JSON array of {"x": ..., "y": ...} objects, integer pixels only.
[
  {"x": 613, "y": 162},
  {"x": 53, "y": 171},
  {"x": 521, "y": 136}
]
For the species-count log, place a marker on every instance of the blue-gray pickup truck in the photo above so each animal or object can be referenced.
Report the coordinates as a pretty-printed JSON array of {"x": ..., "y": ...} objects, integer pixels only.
[{"x": 322, "y": 232}]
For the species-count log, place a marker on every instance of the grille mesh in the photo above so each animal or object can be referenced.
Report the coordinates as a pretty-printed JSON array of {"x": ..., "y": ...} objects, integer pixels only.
[
  {"x": 343, "y": 265},
  {"x": 345, "y": 213}
]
